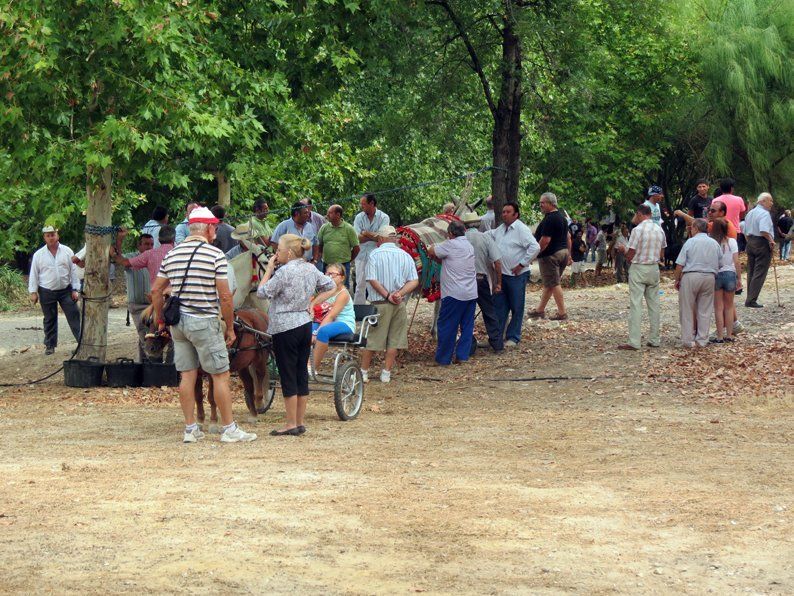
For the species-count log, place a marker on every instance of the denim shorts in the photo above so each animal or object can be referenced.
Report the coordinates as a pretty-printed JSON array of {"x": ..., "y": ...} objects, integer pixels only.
[{"x": 726, "y": 281}]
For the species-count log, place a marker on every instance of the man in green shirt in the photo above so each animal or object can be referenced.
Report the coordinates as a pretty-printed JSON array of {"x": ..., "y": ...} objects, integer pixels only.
[{"x": 338, "y": 241}]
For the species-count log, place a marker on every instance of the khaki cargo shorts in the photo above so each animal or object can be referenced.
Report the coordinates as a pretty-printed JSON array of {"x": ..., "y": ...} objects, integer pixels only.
[
  {"x": 391, "y": 333},
  {"x": 199, "y": 342},
  {"x": 552, "y": 266}
]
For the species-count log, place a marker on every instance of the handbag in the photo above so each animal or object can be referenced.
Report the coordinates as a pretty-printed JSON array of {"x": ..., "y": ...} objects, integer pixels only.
[
  {"x": 320, "y": 310},
  {"x": 172, "y": 305}
]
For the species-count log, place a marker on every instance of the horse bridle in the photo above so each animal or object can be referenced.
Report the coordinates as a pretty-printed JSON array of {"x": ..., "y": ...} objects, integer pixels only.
[{"x": 263, "y": 340}]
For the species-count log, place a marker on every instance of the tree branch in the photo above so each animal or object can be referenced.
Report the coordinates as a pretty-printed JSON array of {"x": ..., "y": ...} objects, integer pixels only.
[{"x": 475, "y": 59}]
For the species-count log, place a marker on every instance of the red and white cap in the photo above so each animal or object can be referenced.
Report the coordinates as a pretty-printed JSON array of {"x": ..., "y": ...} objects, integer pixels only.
[{"x": 202, "y": 215}]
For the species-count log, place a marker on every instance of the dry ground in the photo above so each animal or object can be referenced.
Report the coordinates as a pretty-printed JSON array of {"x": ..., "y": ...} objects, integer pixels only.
[{"x": 453, "y": 480}]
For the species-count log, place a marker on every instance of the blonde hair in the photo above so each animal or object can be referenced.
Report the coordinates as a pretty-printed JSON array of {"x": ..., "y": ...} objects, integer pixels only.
[{"x": 295, "y": 244}]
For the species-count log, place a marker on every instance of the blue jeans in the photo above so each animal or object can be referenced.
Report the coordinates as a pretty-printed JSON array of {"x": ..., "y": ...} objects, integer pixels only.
[
  {"x": 785, "y": 249},
  {"x": 455, "y": 314},
  {"x": 511, "y": 300}
]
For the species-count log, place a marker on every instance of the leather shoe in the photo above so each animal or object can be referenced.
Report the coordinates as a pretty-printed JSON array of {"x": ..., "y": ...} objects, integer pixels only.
[
  {"x": 754, "y": 305},
  {"x": 49, "y": 351},
  {"x": 628, "y": 347}
]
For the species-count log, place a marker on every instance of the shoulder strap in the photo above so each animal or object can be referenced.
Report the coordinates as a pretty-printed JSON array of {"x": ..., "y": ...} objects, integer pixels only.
[{"x": 190, "y": 261}]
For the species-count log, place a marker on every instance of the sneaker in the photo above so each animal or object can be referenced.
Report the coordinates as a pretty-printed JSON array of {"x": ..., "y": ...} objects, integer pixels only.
[
  {"x": 193, "y": 436},
  {"x": 738, "y": 327},
  {"x": 385, "y": 376},
  {"x": 238, "y": 435},
  {"x": 510, "y": 344},
  {"x": 365, "y": 375}
]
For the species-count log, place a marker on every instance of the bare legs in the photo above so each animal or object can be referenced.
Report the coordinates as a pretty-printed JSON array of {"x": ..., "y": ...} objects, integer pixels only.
[{"x": 548, "y": 293}]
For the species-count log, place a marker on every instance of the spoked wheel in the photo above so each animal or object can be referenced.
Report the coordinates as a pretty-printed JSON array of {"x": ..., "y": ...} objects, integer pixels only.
[
  {"x": 348, "y": 391},
  {"x": 269, "y": 396}
]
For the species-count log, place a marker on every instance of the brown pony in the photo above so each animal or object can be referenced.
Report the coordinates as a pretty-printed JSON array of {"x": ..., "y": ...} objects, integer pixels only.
[{"x": 248, "y": 356}]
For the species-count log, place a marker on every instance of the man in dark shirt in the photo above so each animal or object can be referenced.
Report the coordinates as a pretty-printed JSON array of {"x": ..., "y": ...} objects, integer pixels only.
[
  {"x": 555, "y": 249},
  {"x": 699, "y": 204},
  {"x": 784, "y": 225}
]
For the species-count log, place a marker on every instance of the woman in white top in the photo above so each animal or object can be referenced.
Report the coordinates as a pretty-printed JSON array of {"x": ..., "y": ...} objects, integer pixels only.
[{"x": 729, "y": 280}]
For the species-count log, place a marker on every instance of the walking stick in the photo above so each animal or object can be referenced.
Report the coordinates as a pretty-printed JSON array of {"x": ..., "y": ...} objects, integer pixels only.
[
  {"x": 411, "y": 324},
  {"x": 777, "y": 289}
]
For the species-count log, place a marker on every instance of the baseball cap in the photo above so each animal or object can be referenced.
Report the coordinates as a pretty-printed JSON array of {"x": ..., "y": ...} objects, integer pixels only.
[{"x": 202, "y": 215}]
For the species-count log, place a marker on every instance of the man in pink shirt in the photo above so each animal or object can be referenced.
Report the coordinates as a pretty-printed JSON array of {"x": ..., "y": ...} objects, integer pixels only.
[
  {"x": 151, "y": 259},
  {"x": 734, "y": 206}
]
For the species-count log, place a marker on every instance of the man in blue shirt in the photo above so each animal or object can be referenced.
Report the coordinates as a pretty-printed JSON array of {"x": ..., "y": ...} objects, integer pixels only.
[{"x": 299, "y": 225}]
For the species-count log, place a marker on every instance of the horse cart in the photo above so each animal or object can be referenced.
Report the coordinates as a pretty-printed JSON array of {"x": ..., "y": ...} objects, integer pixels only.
[{"x": 344, "y": 377}]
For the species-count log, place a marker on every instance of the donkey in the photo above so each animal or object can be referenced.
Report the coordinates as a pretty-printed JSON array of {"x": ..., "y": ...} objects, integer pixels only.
[{"x": 248, "y": 356}]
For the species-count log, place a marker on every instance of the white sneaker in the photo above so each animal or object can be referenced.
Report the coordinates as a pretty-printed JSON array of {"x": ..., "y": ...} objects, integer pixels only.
[
  {"x": 738, "y": 327},
  {"x": 510, "y": 344},
  {"x": 238, "y": 435},
  {"x": 365, "y": 375},
  {"x": 193, "y": 436},
  {"x": 385, "y": 376}
]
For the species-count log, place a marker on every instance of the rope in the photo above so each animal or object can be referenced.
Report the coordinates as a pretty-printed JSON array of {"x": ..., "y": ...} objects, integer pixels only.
[{"x": 101, "y": 230}]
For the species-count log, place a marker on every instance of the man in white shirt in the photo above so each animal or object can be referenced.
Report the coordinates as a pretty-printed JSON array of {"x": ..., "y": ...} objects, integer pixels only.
[
  {"x": 760, "y": 233},
  {"x": 489, "y": 219},
  {"x": 152, "y": 227},
  {"x": 366, "y": 224},
  {"x": 391, "y": 276},
  {"x": 518, "y": 248},
  {"x": 53, "y": 281}
]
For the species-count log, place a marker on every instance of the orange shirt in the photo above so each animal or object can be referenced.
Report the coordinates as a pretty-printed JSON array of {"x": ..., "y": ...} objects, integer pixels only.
[{"x": 732, "y": 232}]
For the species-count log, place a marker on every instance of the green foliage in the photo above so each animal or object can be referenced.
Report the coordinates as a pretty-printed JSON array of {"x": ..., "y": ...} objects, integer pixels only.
[
  {"x": 748, "y": 71},
  {"x": 13, "y": 290}
]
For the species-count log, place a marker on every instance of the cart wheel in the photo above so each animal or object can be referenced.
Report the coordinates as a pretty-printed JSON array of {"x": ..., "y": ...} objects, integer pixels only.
[
  {"x": 348, "y": 391},
  {"x": 268, "y": 398}
]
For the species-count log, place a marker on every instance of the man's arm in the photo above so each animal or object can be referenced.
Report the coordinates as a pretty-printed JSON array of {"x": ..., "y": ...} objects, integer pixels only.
[
  {"x": 354, "y": 252},
  {"x": 568, "y": 243},
  {"x": 497, "y": 265},
  {"x": 157, "y": 299},
  {"x": 544, "y": 242},
  {"x": 316, "y": 253},
  {"x": 678, "y": 272},
  {"x": 687, "y": 218},
  {"x": 33, "y": 280},
  {"x": 227, "y": 308},
  {"x": 378, "y": 287}
]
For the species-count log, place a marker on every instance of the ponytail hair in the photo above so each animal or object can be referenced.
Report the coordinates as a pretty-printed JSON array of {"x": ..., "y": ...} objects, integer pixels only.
[{"x": 295, "y": 244}]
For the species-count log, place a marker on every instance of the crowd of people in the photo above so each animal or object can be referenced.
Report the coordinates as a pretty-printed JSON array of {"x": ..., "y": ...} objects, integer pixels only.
[{"x": 322, "y": 266}]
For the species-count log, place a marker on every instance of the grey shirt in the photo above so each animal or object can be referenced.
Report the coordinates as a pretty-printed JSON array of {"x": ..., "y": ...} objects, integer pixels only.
[
  {"x": 485, "y": 251},
  {"x": 290, "y": 291},
  {"x": 458, "y": 276},
  {"x": 700, "y": 253}
]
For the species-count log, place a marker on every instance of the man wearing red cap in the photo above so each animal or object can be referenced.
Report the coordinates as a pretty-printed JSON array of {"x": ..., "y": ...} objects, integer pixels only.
[{"x": 197, "y": 273}]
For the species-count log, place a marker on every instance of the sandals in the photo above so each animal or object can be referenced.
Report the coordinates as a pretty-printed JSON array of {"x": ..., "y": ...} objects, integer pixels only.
[
  {"x": 559, "y": 317},
  {"x": 536, "y": 314},
  {"x": 716, "y": 340}
]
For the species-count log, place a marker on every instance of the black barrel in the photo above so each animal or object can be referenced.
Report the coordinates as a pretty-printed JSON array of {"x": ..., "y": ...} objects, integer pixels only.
[
  {"x": 157, "y": 374},
  {"x": 124, "y": 372},
  {"x": 83, "y": 373}
]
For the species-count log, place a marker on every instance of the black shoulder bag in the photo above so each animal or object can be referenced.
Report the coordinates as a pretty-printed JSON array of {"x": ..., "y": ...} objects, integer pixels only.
[{"x": 173, "y": 303}]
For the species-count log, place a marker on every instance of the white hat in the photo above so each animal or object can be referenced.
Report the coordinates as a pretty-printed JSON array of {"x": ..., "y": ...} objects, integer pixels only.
[
  {"x": 470, "y": 218},
  {"x": 202, "y": 215},
  {"x": 386, "y": 231},
  {"x": 48, "y": 230}
]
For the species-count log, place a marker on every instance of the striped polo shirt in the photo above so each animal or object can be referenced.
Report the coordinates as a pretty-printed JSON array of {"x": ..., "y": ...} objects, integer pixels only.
[{"x": 196, "y": 287}]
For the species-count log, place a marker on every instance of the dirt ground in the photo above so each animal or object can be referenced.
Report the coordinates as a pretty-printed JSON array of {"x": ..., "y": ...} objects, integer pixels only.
[{"x": 636, "y": 475}]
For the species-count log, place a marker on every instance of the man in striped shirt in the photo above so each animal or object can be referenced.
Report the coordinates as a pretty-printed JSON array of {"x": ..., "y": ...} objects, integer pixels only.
[
  {"x": 391, "y": 276},
  {"x": 201, "y": 285},
  {"x": 644, "y": 251}
]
